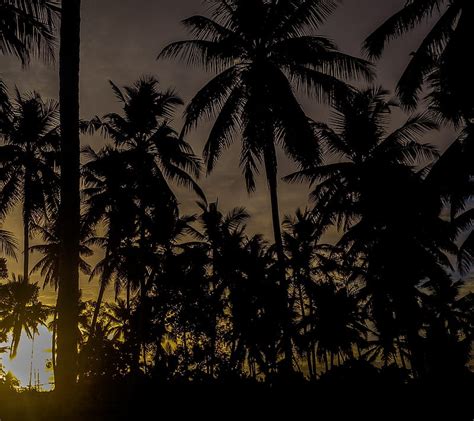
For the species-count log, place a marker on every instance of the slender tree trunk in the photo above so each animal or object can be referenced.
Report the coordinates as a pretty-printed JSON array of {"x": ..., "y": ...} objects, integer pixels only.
[
  {"x": 31, "y": 360},
  {"x": 103, "y": 285},
  {"x": 98, "y": 304},
  {"x": 271, "y": 173},
  {"x": 68, "y": 294},
  {"x": 26, "y": 247},
  {"x": 53, "y": 342},
  {"x": 26, "y": 222}
]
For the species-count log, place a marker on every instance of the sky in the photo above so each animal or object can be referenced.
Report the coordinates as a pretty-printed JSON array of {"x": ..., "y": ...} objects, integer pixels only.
[{"x": 120, "y": 42}]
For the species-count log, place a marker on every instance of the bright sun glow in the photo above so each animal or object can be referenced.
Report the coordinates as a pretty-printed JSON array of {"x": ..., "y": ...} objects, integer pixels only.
[{"x": 21, "y": 366}]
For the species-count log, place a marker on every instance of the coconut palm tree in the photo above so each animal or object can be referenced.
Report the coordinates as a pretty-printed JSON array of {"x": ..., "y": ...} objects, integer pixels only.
[
  {"x": 48, "y": 265},
  {"x": 365, "y": 153},
  {"x": 384, "y": 206},
  {"x": 109, "y": 201},
  {"x": 336, "y": 325},
  {"x": 28, "y": 158},
  {"x": 27, "y": 28},
  {"x": 309, "y": 262},
  {"x": 440, "y": 58},
  {"x": 451, "y": 179},
  {"x": 145, "y": 133},
  {"x": 70, "y": 212},
  {"x": 148, "y": 153},
  {"x": 254, "y": 91},
  {"x": 263, "y": 52},
  {"x": 20, "y": 310}
]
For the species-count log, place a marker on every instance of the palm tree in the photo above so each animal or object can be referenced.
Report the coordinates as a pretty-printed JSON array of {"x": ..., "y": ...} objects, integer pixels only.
[
  {"x": 263, "y": 51},
  {"x": 70, "y": 214},
  {"x": 28, "y": 156},
  {"x": 20, "y": 310},
  {"x": 253, "y": 92},
  {"x": 367, "y": 156},
  {"x": 336, "y": 324},
  {"x": 309, "y": 262},
  {"x": 258, "y": 313},
  {"x": 148, "y": 153},
  {"x": 145, "y": 133},
  {"x": 451, "y": 179},
  {"x": 48, "y": 265},
  {"x": 384, "y": 207},
  {"x": 110, "y": 202},
  {"x": 27, "y": 28},
  {"x": 450, "y": 328},
  {"x": 8, "y": 244},
  {"x": 439, "y": 60}
]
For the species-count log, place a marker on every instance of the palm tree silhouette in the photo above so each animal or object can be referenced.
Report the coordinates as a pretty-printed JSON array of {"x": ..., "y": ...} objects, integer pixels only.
[
  {"x": 27, "y": 28},
  {"x": 386, "y": 212},
  {"x": 336, "y": 324},
  {"x": 363, "y": 147},
  {"x": 449, "y": 330},
  {"x": 8, "y": 244},
  {"x": 48, "y": 265},
  {"x": 28, "y": 156},
  {"x": 70, "y": 212},
  {"x": 109, "y": 201},
  {"x": 439, "y": 59},
  {"x": 309, "y": 262},
  {"x": 263, "y": 51},
  {"x": 450, "y": 178},
  {"x": 148, "y": 153},
  {"x": 144, "y": 132},
  {"x": 20, "y": 310}
]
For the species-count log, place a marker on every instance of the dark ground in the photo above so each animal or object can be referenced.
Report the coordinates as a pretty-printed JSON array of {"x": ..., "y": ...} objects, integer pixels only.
[{"x": 423, "y": 402}]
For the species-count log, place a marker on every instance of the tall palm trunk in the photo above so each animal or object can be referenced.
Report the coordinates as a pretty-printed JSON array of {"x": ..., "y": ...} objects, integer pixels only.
[
  {"x": 271, "y": 174},
  {"x": 26, "y": 223},
  {"x": 68, "y": 294},
  {"x": 26, "y": 246}
]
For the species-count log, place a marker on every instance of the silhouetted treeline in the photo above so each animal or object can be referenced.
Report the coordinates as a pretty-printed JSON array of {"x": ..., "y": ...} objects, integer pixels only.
[{"x": 198, "y": 298}]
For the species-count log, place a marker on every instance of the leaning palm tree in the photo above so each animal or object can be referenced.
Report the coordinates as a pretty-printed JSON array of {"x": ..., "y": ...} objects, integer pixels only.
[
  {"x": 27, "y": 28},
  {"x": 263, "y": 52},
  {"x": 440, "y": 58},
  {"x": 28, "y": 156},
  {"x": 20, "y": 310}
]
